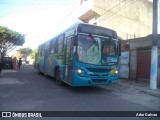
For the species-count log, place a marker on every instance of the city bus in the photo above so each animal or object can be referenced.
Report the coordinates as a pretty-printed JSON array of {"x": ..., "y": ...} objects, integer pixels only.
[{"x": 82, "y": 55}]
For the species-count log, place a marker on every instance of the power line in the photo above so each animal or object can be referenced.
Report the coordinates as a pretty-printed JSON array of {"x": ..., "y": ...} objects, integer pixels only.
[
  {"x": 39, "y": 3},
  {"x": 118, "y": 10},
  {"x": 114, "y": 10},
  {"x": 111, "y": 8},
  {"x": 29, "y": 11},
  {"x": 67, "y": 16},
  {"x": 109, "y": 11},
  {"x": 42, "y": 6},
  {"x": 112, "y": 13}
]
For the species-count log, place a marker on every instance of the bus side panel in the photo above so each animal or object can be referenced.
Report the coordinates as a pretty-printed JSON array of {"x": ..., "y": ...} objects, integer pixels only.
[
  {"x": 37, "y": 59},
  {"x": 46, "y": 66},
  {"x": 52, "y": 63},
  {"x": 46, "y": 62},
  {"x": 42, "y": 55},
  {"x": 41, "y": 64}
]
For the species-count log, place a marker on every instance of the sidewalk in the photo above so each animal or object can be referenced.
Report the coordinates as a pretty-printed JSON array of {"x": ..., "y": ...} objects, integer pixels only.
[{"x": 142, "y": 86}]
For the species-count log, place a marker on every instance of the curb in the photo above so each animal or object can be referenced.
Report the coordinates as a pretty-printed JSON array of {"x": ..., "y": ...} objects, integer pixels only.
[
  {"x": 152, "y": 92},
  {"x": 144, "y": 90}
]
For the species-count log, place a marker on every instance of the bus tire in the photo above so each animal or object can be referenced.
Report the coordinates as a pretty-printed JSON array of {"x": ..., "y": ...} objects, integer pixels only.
[
  {"x": 39, "y": 69},
  {"x": 58, "y": 78}
]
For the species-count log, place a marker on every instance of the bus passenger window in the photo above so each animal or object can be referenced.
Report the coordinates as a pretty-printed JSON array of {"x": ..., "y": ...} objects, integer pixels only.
[
  {"x": 60, "y": 43},
  {"x": 52, "y": 46},
  {"x": 40, "y": 51},
  {"x": 55, "y": 47}
]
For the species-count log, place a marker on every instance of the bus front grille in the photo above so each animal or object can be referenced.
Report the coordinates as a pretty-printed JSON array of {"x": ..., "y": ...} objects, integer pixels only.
[
  {"x": 99, "y": 75},
  {"x": 102, "y": 70}
]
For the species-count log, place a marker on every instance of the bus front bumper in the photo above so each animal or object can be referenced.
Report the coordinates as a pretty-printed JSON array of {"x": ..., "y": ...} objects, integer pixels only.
[{"x": 78, "y": 80}]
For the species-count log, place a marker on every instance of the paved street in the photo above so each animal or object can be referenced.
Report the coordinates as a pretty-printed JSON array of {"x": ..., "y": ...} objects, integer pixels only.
[{"x": 26, "y": 90}]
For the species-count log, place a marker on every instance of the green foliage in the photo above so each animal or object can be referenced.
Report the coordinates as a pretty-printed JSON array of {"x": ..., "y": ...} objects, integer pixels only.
[
  {"x": 25, "y": 51},
  {"x": 9, "y": 39},
  {"x": 32, "y": 55}
]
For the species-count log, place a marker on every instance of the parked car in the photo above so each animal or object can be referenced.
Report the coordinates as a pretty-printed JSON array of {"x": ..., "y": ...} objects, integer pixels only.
[{"x": 7, "y": 62}]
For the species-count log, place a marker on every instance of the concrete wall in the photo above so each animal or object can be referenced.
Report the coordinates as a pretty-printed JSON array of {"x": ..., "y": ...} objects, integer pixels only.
[
  {"x": 134, "y": 45},
  {"x": 130, "y": 18}
]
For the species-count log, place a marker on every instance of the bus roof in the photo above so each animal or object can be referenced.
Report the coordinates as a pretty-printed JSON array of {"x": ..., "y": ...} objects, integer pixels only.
[{"x": 78, "y": 24}]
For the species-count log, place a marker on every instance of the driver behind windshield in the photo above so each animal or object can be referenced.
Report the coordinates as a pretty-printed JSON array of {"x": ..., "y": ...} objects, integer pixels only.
[{"x": 107, "y": 49}]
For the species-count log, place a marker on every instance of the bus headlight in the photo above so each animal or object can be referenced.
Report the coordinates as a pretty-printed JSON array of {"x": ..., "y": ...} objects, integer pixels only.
[
  {"x": 80, "y": 72},
  {"x": 114, "y": 71}
]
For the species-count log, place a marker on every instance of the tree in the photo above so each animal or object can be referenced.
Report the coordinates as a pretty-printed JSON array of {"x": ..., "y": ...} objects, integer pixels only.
[
  {"x": 9, "y": 39},
  {"x": 32, "y": 55},
  {"x": 25, "y": 52}
]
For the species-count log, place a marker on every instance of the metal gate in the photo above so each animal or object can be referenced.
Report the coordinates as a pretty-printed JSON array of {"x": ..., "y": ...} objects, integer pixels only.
[{"x": 143, "y": 63}]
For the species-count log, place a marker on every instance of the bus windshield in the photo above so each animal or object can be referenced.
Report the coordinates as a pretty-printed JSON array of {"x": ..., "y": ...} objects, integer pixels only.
[{"x": 96, "y": 50}]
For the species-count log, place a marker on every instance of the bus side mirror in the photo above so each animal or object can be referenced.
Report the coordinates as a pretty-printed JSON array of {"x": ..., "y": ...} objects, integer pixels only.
[
  {"x": 119, "y": 47},
  {"x": 75, "y": 40}
]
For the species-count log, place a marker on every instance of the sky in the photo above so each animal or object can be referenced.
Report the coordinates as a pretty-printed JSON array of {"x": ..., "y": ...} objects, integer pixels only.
[{"x": 39, "y": 20}]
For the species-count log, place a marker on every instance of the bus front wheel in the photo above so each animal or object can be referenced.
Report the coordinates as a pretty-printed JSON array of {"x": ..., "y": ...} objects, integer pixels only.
[{"x": 58, "y": 77}]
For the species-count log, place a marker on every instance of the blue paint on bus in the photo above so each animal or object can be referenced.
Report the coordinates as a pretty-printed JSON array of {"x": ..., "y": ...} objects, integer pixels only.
[{"x": 82, "y": 55}]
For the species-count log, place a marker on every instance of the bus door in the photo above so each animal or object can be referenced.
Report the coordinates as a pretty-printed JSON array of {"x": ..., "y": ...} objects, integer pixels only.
[{"x": 69, "y": 59}]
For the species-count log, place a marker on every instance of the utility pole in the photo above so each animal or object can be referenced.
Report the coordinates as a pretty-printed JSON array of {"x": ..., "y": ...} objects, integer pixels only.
[{"x": 154, "y": 52}]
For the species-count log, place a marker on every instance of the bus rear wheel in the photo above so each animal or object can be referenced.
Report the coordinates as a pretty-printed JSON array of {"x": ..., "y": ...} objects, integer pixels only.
[
  {"x": 58, "y": 77},
  {"x": 38, "y": 69}
]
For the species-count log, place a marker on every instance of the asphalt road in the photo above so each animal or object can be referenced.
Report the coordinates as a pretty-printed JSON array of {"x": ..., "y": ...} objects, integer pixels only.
[{"x": 26, "y": 90}]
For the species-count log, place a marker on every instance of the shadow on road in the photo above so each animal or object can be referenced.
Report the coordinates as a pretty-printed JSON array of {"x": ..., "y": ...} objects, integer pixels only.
[
  {"x": 28, "y": 73},
  {"x": 81, "y": 89}
]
